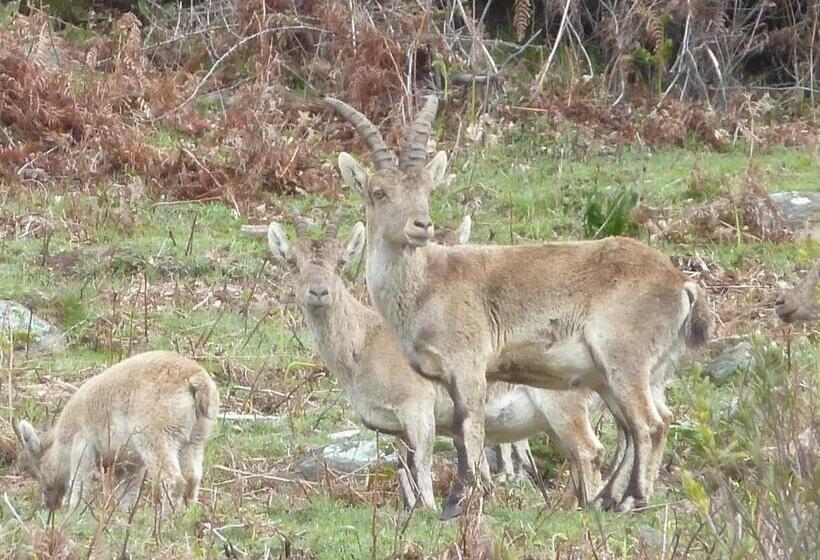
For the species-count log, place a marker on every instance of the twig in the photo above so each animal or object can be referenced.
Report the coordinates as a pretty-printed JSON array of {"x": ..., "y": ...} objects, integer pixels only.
[
  {"x": 233, "y": 49},
  {"x": 561, "y": 30},
  {"x": 238, "y": 417},
  {"x": 11, "y": 508}
]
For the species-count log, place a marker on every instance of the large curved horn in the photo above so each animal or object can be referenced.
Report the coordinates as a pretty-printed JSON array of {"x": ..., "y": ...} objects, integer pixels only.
[
  {"x": 382, "y": 156},
  {"x": 413, "y": 152},
  {"x": 301, "y": 225}
]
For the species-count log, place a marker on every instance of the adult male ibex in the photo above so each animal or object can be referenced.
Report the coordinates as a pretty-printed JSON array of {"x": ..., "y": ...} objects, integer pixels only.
[
  {"x": 388, "y": 396},
  {"x": 801, "y": 303},
  {"x": 610, "y": 315},
  {"x": 147, "y": 416}
]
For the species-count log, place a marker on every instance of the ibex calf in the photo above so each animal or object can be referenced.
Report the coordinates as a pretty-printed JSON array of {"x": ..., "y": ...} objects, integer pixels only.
[
  {"x": 801, "y": 303},
  {"x": 389, "y": 396},
  {"x": 610, "y": 315},
  {"x": 148, "y": 415}
]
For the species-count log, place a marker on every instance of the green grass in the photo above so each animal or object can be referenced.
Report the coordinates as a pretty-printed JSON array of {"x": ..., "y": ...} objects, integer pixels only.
[{"x": 208, "y": 299}]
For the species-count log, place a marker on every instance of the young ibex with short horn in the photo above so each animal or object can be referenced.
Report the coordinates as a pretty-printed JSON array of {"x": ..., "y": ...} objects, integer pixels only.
[
  {"x": 146, "y": 417},
  {"x": 610, "y": 315},
  {"x": 801, "y": 303},
  {"x": 389, "y": 397}
]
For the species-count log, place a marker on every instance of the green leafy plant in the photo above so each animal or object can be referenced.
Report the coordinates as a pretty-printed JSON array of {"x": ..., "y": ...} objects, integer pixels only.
[{"x": 608, "y": 212}]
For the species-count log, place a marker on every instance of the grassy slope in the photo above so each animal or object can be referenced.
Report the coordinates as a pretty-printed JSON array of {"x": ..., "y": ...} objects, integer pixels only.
[{"x": 248, "y": 336}]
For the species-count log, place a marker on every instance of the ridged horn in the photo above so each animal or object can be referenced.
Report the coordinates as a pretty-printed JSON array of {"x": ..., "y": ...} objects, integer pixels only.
[
  {"x": 332, "y": 228},
  {"x": 383, "y": 158},
  {"x": 301, "y": 225},
  {"x": 413, "y": 152}
]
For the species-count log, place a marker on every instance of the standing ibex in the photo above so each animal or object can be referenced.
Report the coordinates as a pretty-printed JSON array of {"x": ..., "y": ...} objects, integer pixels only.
[
  {"x": 389, "y": 397},
  {"x": 609, "y": 315},
  {"x": 148, "y": 415},
  {"x": 801, "y": 303}
]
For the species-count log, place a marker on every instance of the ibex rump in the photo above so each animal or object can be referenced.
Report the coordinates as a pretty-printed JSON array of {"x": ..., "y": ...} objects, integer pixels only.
[{"x": 801, "y": 303}]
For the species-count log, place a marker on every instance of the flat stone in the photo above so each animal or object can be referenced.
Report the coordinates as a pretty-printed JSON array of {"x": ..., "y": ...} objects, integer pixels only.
[
  {"x": 27, "y": 329},
  {"x": 345, "y": 457},
  {"x": 731, "y": 361},
  {"x": 347, "y": 434},
  {"x": 800, "y": 209}
]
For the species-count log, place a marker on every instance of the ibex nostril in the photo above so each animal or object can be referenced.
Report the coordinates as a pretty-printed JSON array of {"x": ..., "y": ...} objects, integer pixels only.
[
  {"x": 423, "y": 224},
  {"x": 318, "y": 291},
  {"x": 781, "y": 299}
]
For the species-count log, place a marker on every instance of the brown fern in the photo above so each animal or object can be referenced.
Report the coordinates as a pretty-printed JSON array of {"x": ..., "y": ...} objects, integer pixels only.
[{"x": 522, "y": 14}]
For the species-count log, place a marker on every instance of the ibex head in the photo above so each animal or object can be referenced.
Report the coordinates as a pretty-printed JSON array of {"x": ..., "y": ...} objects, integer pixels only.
[
  {"x": 396, "y": 193},
  {"x": 41, "y": 461},
  {"x": 315, "y": 262}
]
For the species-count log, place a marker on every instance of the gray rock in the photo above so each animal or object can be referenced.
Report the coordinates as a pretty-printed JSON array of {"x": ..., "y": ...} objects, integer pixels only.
[
  {"x": 800, "y": 209},
  {"x": 650, "y": 536},
  {"x": 347, "y": 457},
  {"x": 19, "y": 322},
  {"x": 732, "y": 360}
]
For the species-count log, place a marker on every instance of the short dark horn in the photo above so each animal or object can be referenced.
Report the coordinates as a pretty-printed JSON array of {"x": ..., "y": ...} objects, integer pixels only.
[
  {"x": 413, "y": 152},
  {"x": 332, "y": 228},
  {"x": 301, "y": 225},
  {"x": 383, "y": 158}
]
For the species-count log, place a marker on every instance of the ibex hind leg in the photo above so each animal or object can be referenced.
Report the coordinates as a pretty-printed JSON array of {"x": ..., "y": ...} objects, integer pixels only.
[
  {"x": 618, "y": 476},
  {"x": 644, "y": 425},
  {"x": 190, "y": 462},
  {"x": 504, "y": 462},
  {"x": 660, "y": 437}
]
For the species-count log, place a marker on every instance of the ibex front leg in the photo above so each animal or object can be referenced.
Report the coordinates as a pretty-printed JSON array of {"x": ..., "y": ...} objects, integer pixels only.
[{"x": 467, "y": 386}]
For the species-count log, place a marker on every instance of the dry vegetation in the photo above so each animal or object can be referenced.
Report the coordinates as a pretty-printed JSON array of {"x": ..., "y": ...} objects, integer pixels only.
[{"x": 132, "y": 146}]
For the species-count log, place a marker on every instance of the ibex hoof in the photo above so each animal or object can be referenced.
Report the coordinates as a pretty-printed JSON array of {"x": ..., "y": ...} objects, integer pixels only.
[
  {"x": 603, "y": 503},
  {"x": 630, "y": 503}
]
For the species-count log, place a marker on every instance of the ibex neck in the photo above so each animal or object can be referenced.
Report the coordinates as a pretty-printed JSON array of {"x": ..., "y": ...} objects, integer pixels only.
[
  {"x": 339, "y": 332},
  {"x": 395, "y": 278}
]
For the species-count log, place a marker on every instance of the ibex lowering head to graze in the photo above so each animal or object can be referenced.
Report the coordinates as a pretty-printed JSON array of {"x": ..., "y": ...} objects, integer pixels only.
[
  {"x": 389, "y": 397},
  {"x": 149, "y": 415},
  {"x": 610, "y": 315},
  {"x": 801, "y": 303}
]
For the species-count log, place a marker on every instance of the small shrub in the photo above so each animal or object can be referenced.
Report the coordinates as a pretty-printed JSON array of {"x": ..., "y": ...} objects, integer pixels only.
[{"x": 608, "y": 212}]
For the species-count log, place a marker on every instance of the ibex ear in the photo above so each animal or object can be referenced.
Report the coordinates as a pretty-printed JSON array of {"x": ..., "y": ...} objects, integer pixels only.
[
  {"x": 464, "y": 230},
  {"x": 354, "y": 175},
  {"x": 29, "y": 438},
  {"x": 278, "y": 242},
  {"x": 438, "y": 167},
  {"x": 356, "y": 243}
]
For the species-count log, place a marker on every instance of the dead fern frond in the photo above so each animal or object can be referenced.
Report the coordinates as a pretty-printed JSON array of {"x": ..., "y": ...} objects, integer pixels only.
[
  {"x": 522, "y": 14},
  {"x": 130, "y": 53}
]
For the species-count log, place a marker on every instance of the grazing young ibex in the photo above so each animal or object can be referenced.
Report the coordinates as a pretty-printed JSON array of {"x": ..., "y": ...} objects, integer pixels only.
[
  {"x": 610, "y": 315},
  {"x": 148, "y": 415},
  {"x": 389, "y": 397},
  {"x": 801, "y": 303}
]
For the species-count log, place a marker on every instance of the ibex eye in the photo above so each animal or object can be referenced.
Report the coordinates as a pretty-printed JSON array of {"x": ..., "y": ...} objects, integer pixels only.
[{"x": 379, "y": 194}]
